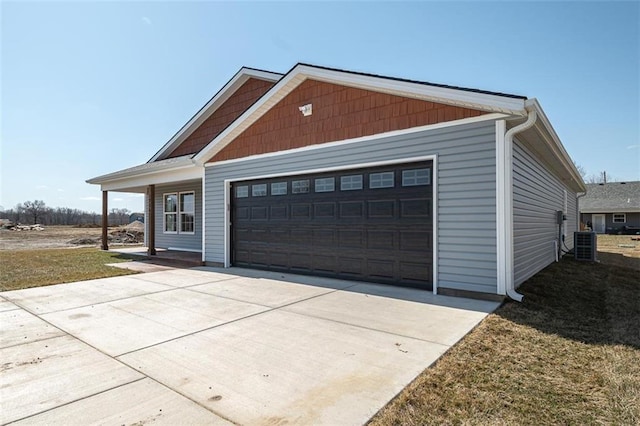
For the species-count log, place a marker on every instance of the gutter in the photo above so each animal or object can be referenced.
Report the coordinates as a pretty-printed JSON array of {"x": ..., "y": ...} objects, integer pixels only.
[{"x": 508, "y": 141}]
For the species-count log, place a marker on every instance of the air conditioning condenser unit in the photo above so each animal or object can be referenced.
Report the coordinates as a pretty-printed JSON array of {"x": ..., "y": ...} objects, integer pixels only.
[{"x": 585, "y": 246}]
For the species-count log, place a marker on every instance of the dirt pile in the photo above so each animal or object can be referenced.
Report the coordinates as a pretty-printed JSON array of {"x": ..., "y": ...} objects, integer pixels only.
[{"x": 130, "y": 234}]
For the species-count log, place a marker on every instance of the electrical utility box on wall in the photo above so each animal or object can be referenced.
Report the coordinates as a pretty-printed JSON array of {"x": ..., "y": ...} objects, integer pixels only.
[{"x": 585, "y": 246}]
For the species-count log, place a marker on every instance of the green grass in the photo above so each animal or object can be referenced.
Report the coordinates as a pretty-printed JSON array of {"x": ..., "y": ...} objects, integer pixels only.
[
  {"x": 35, "y": 268},
  {"x": 570, "y": 354}
]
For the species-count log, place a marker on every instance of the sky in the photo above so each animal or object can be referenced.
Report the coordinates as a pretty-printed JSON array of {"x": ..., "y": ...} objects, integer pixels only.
[{"x": 88, "y": 88}]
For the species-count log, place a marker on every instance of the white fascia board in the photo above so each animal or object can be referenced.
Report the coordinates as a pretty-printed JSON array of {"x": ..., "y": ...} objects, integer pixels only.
[
  {"x": 214, "y": 103},
  {"x": 143, "y": 169},
  {"x": 482, "y": 101},
  {"x": 556, "y": 145},
  {"x": 166, "y": 176}
]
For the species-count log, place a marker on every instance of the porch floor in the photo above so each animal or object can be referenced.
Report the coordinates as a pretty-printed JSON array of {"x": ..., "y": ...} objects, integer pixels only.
[{"x": 163, "y": 257}]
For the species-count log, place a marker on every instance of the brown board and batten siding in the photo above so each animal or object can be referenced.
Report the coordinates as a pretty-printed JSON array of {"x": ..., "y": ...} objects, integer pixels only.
[
  {"x": 192, "y": 242},
  {"x": 465, "y": 178},
  {"x": 537, "y": 195},
  {"x": 339, "y": 113},
  {"x": 231, "y": 109}
]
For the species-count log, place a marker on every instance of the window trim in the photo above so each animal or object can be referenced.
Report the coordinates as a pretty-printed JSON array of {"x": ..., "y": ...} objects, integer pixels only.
[
  {"x": 244, "y": 187},
  {"x": 624, "y": 218},
  {"x": 281, "y": 183},
  {"x": 293, "y": 186},
  {"x": 259, "y": 185}
]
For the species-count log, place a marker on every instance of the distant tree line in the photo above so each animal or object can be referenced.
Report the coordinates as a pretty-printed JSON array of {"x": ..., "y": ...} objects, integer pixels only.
[{"x": 32, "y": 212}]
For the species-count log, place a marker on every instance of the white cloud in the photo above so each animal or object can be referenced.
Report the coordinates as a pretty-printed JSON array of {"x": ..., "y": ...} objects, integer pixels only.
[
  {"x": 90, "y": 198},
  {"x": 636, "y": 146},
  {"x": 60, "y": 190},
  {"x": 42, "y": 187},
  {"x": 146, "y": 20}
]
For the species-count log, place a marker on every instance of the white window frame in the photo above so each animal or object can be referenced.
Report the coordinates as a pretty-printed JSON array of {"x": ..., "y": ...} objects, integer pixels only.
[
  {"x": 172, "y": 213},
  {"x": 410, "y": 177},
  {"x": 297, "y": 186},
  {"x": 624, "y": 218},
  {"x": 181, "y": 211},
  {"x": 259, "y": 190},
  {"x": 244, "y": 193},
  {"x": 178, "y": 213}
]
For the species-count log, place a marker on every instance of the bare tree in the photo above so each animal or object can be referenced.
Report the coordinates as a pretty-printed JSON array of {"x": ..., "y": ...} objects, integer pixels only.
[
  {"x": 602, "y": 177},
  {"x": 581, "y": 170},
  {"x": 34, "y": 209}
]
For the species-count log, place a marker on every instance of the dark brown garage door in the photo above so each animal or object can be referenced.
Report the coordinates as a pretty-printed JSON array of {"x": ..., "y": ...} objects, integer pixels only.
[{"x": 371, "y": 224}]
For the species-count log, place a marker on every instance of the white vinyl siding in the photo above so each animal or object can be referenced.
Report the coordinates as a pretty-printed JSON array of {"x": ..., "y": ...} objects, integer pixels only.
[
  {"x": 466, "y": 193},
  {"x": 180, "y": 240}
]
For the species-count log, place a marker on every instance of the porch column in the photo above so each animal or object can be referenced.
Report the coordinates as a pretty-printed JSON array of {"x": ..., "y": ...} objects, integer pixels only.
[
  {"x": 151, "y": 220},
  {"x": 105, "y": 220}
]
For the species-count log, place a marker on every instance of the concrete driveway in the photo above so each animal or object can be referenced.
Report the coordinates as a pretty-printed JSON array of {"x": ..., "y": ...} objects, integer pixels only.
[{"x": 213, "y": 346}]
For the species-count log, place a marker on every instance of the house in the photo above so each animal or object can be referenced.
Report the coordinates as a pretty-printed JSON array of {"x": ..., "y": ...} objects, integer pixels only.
[
  {"x": 343, "y": 174},
  {"x": 611, "y": 208},
  {"x": 136, "y": 217}
]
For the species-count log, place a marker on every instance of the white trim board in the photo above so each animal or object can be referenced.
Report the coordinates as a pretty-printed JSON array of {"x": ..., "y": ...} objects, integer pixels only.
[
  {"x": 502, "y": 187},
  {"x": 434, "y": 185}
]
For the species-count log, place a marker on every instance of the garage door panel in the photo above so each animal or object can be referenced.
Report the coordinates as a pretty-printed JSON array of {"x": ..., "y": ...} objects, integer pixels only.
[
  {"x": 373, "y": 228},
  {"x": 381, "y": 239},
  {"x": 381, "y": 209},
  {"x": 279, "y": 212}
]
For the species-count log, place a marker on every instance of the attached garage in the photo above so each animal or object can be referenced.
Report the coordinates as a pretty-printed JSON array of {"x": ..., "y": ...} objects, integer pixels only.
[
  {"x": 373, "y": 224},
  {"x": 357, "y": 176}
]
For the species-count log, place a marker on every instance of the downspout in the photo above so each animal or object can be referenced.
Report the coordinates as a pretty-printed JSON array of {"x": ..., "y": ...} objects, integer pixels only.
[
  {"x": 578, "y": 213},
  {"x": 508, "y": 141}
]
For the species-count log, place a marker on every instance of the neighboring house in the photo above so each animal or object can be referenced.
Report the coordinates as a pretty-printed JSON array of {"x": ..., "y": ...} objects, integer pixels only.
[
  {"x": 335, "y": 173},
  {"x": 611, "y": 208},
  {"x": 136, "y": 216}
]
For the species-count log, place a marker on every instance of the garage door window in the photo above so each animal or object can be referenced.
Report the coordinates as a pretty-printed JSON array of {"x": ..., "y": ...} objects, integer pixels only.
[
  {"x": 279, "y": 188},
  {"x": 242, "y": 191},
  {"x": 381, "y": 180},
  {"x": 416, "y": 177},
  {"x": 300, "y": 186},
  {"x": 259, "y": 190},
  {"x": 325, "y": 184},
  {"x": 350, "y": 183}
]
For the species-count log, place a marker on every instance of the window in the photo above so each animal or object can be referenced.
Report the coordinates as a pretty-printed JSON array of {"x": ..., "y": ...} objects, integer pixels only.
[
  {"x": 381, "y": 180},
  {"x": 179, "y": 212},
  {"x": 416, "y": 177},
  {"x": 259, "y": 190},
  {"x": 187, "y": 212},
  {"x": 620, "y": 218},
  {"x": 300, "y": 186},
  {"x": 325, "y": 184},
  {"x": 350, "y": 183},
  {"x": 242, "y": 191},
  {"x": 279, "y": 188},
  {"x": 170, "y": 213}
]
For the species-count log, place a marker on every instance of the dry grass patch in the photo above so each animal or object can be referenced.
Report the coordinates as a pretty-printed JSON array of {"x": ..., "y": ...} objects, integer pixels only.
[
  {"x": 35, "y": 268},
  {"x": 570, "y": 354}
]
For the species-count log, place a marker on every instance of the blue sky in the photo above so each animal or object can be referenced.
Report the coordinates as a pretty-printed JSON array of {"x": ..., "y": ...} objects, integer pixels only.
[{"x": 88, "y": 88}]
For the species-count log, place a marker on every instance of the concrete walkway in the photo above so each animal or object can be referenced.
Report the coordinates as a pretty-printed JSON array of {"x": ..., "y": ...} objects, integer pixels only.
[{"x": 212, "y": 346}]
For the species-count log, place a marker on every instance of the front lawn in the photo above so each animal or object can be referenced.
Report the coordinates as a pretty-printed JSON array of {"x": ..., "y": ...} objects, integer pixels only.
[
  {"x": 35, "y": 268},
  {"x": 570, "y": 354}
]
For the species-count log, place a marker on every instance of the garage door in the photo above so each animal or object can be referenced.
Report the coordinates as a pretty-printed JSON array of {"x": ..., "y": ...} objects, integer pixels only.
[{"x": 371, "y": 224}]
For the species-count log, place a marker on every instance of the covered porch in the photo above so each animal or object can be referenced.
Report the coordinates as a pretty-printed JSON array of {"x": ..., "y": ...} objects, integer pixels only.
[{"x": 173, "y": 205}]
